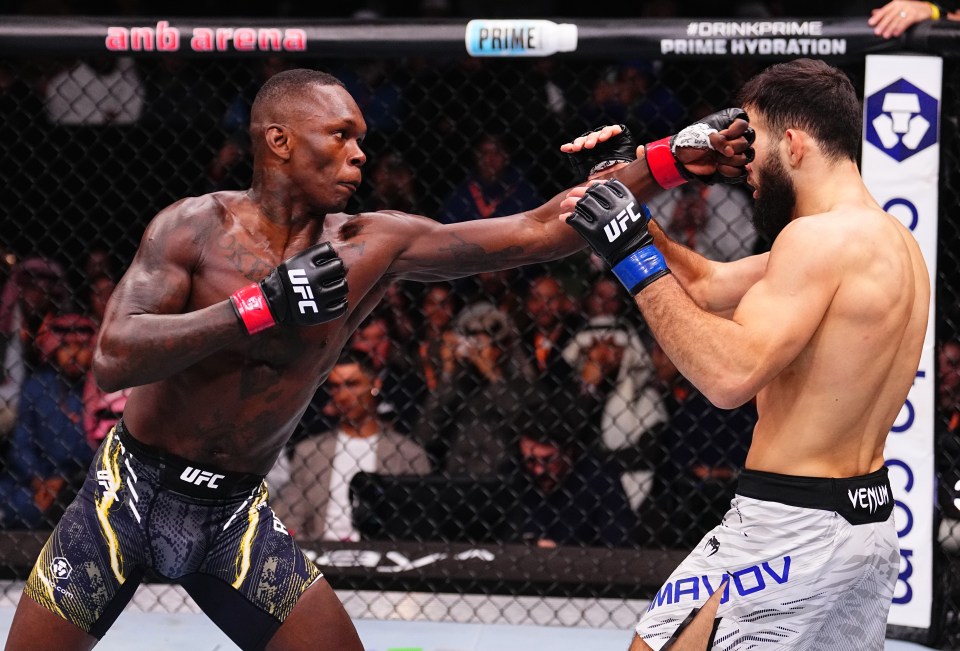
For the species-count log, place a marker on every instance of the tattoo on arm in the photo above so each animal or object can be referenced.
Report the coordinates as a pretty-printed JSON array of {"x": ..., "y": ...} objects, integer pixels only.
[{"x": 469, "y": 254}]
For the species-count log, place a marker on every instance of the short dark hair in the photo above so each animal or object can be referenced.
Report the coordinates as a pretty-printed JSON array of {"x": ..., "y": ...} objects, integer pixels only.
[
  {"x": 286, "y": 86},
  {"x": 360, "y": 358},
  {"x": 812, "y": 96}
]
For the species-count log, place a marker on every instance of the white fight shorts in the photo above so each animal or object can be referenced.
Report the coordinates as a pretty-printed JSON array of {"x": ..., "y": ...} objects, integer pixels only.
[{"x": 812, "y": 565}]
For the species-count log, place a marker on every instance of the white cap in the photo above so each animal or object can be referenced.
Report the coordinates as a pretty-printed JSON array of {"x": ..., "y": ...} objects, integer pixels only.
[{"x": 566, "y": 37}]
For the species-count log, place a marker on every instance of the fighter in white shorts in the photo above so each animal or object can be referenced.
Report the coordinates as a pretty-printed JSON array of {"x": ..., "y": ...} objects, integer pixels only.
[
  {"x": 825, "y": 331},
  {"x": 805, "y": 560}
]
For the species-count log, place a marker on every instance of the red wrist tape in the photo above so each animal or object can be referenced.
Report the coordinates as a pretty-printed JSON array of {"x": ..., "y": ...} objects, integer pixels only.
[
  {"x": 662, "y": 164},
  {"x": 251, "y": 306}
]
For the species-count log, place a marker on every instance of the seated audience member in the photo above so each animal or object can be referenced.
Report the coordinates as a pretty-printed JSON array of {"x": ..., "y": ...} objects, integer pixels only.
[
  {"x": 616, "y": 373},
  {"x": 548, "y": 311},
  {"x": 403, "y": 389},
  {"x": 704, "y": 448},
  {"x": 392, "y": 186},
  {"x": 462, "y": 427},
  {"x": 36, "y": 288},
  {"x": 566, "y": 494},
  {"x": 49, "y": 452},
  {"x": 437, "y": 340},
  {"x": 315, "y": 502},
  {"x": 493, "y": 187}
]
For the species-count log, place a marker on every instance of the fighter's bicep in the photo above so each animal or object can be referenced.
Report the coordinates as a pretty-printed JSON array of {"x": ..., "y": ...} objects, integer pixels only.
[
  {"x": 783, "y": 310},
  {"x": 159, "y": 279}
]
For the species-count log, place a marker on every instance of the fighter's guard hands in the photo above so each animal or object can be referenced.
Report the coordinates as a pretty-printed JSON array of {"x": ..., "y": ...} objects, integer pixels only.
[
  {"x": 715, "y": 149},
  {"x": 306, "y": 289}
]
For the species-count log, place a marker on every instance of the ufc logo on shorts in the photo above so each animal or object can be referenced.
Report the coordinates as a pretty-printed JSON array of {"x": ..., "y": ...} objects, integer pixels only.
[
  {"x": 197, "y": 477},
  {"x": 298, "y": 278},
  {"x": 618, "y": 224}
]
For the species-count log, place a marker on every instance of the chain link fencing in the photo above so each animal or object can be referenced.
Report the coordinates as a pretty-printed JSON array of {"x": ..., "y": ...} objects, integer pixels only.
[{"x": 532, "y": 439}]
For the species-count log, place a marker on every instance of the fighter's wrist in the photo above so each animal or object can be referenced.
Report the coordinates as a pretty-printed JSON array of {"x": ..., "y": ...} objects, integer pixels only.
[
  {"x": 663, "y": 164},
  {"x": 641, "y": 268},
  {"x": 251, "y": 307}
]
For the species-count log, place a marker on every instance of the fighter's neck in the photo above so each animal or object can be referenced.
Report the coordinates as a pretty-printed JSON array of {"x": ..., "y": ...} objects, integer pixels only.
[
  {"x": 282, "y": 208},
  {"x": 823, "y": 192}
]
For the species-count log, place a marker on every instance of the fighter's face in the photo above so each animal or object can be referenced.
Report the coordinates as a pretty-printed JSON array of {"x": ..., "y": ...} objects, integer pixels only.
[
  {"x": 325, "y": 156},
  {"x": 774, "y": 192}
]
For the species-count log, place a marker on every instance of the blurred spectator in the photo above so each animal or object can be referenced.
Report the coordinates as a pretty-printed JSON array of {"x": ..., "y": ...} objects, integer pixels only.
[
  {"x": 631, "y": 93},
  {"x": 947, "y": 430},
  {"x": 462, "y": 427},
  {"x": 98, "y": 262},
  {"x": 231, "y": 167},
  {"x": 102, "y": 90},
  {"x": 437, "y": 339},
  {"x": 493, "y": 187},
  {"x": 315, "y": 503},
  {"x": 402, "y": 388},
  {"x": 392, "y": 186},
  {"x": 549, "y": 309},
  {"x": 713, "y": 220},
  {"x": 704, "y": 447},
  {"x": 618, "y": 376},
  {"x": 371, "y": 83},
  {"x": 99, "y": 290},
  {"x": 36, "y": 288},
  {"x": 49, "y": 452},
  {"x": 896, "y": 17},
  {"x": 566, "y": 495}
]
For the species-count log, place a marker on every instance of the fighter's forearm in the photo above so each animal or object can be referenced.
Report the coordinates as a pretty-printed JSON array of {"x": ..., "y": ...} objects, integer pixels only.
[
  {"x": 143, "y": 348},
  {"x": 707, "y": 350}
]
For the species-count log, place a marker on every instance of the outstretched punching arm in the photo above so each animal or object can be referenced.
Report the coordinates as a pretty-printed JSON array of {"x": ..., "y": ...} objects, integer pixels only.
[{"x": 434, "y": 251}]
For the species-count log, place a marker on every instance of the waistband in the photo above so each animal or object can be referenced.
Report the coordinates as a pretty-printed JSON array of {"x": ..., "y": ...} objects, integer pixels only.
[
  {"x": 860, "y": 500},
  {"x": 188, "y": 477}
]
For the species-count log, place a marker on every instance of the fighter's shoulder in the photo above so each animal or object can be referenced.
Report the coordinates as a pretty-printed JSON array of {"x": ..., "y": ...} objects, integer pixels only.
[
  {"x": 191, "y": 213},
  {"x": 181, "y": 230}
]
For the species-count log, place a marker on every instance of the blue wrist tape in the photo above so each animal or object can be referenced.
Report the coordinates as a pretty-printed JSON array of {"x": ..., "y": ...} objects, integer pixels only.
[{"x": 641, "y": 266}]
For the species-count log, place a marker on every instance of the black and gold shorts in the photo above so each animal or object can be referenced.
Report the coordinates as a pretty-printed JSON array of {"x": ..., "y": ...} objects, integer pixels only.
[{"x": 141, "y": 510}]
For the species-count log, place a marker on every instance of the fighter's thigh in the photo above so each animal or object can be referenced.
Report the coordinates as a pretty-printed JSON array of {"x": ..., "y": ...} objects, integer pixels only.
[
  {"x": 318, "y": 621},
  {"x": 35, "y": 628},
  {"x": 91, "y": 564}
]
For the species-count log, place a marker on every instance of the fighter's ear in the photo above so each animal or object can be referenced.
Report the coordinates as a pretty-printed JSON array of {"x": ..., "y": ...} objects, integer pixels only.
[{"x": 277, "y": 137}]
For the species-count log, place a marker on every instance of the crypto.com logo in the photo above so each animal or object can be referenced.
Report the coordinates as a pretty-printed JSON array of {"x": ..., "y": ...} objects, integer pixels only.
[{"x": 901, "y": 120}]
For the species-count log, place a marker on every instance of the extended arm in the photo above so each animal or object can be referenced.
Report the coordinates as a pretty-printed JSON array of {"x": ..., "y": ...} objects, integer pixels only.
[{"x": 434, "y": 251}]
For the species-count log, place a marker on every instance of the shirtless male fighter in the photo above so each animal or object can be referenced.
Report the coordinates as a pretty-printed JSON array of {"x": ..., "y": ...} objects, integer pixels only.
[
  {"x": 826, "y": 331},
  {"x": 234, "y": 310}
]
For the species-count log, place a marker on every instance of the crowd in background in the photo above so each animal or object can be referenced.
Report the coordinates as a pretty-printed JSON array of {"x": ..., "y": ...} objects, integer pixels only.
[{"x": 536, "y": 391}]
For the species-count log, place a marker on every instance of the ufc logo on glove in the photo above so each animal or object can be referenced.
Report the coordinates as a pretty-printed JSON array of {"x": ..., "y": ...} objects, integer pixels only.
[
  {"x": 619, "y": 223},
  {"x": 298, "y": 278}
]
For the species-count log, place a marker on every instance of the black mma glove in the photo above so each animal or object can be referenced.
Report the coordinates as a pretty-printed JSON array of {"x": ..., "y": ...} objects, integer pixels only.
[
  {"x": 306, "y": 289},
  {"x": 620, "y": 148},
  {"x": 662, "y": 155},
  {"x": 614, "y": 224}
]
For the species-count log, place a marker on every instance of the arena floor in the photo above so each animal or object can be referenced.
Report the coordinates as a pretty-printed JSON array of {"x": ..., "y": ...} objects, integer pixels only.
[{"x": 162, "y": 617}]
